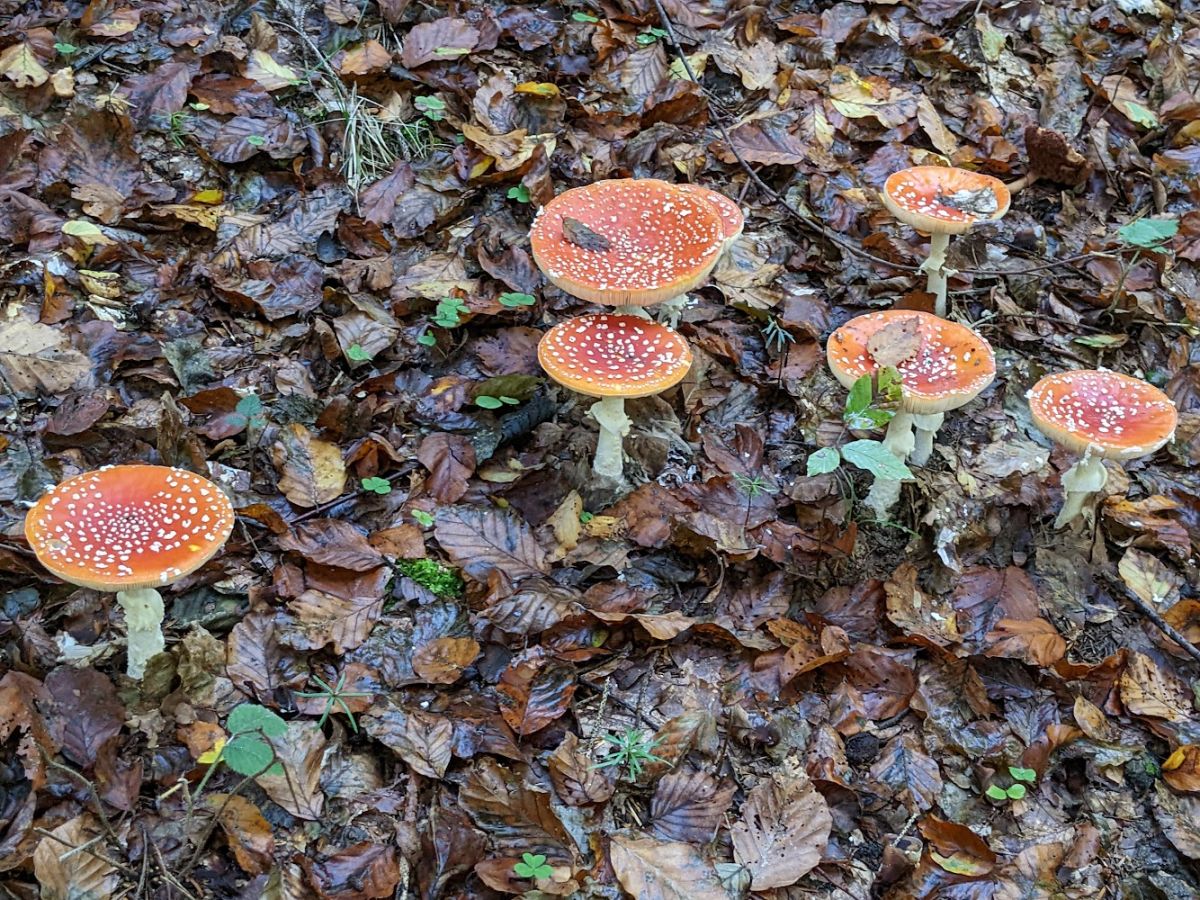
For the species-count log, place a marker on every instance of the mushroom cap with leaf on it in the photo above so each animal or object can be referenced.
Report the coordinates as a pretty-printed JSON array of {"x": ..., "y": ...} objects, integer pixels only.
[
  {"x": 942, "y": 365},
  {"x": 1106, "y": 414},
  {"x": 627, "y": 241},
  {"x": 1101, "y": 415},
  {"x": 944, "y": 199},
  {"x": 130, "y": 529},
  {"x": 613, "y": 357}
]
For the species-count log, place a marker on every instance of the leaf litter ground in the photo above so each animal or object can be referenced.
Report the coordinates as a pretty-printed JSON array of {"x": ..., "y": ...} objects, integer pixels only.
[{"x": 285, "y": 243}]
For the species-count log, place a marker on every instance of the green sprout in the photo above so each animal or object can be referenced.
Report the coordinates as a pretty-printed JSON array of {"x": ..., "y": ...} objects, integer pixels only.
[
  {"x": 334, "y": 696},
  {"x": 377, "y": 485},
  {"x": 422, "y": 518},
  {"x": 532, "y": 865},
  {"x": 256, "y": 140},
  {"x": 632, "y": 751},
  {"x": 1015, "y": 791},
  {"x": 584, "y": 17},
  {"x": 433, "y": 108},
  {"x": 520, "y": 193},
  {"x": 495, "y": 402},
  {"x": 432, "y": 575},
  {"x": 356, "y": 353},
  {"x": 515, "y": 298},
  {"x": 650, "y": 35},
  {"x": 776, "y": 336},
  {"x": 872, "y": 403}
]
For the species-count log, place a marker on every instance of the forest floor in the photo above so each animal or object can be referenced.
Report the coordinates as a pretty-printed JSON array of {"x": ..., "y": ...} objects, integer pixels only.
[{"x": 285, "y": 244}]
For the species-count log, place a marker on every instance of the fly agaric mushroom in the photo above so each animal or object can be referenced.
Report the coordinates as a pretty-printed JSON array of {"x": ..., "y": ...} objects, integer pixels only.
[
  {"x": 627, "y": 242},
  {"x": 130, "y": 529},
  {"x": 733, "y": 220},
  {"x": 942, "y": 366},
  {"x": 1102, "y": 415},
  {"x": 941, "y": 201},
  {"x": 613, "y": 357}
]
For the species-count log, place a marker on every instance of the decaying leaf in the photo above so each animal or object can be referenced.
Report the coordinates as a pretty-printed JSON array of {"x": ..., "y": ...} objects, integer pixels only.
[
  {"x": 248, "y": 833},
  {"x": 689, "y": 807},
  {"x": 576, "y": 779},
  {"x": 311, "y": 470},
  {"x": 650, "y": 869},
  {"x": 37, "y": 360},
  {"x": 782, "y": 832},
  {"x": 63, "y": 874},
  {"x": 534, "y": 692}
]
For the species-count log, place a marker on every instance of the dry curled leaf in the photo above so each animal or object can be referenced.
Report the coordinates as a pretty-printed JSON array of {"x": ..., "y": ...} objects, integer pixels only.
[
  {"x": 248, "y": 833},
  {"x": 311, "y": 470},
  {"x": 689, "y": 806},
  {"x": 895, "y": 342}
]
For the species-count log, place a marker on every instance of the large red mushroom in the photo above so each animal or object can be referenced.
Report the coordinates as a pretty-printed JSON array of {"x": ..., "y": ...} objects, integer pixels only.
[{"x": 130, "y": 529}]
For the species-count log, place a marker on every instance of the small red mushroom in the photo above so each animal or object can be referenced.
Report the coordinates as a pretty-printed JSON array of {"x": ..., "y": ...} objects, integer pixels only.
[
  {"x": 944, "y": 366},
  {"x": 941, "y": 201},
  {"x": 130, "y": 529},
  {"x": 627, "y": 242},
  {"x": 1101, "y": 415},
  {"x": 613, "y": 357}
]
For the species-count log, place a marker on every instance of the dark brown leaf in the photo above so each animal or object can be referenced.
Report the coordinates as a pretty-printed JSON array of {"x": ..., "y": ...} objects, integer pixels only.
[
  {"x": 575, "y": 777},
  {"x": 911, "y": 774},
  {"x": 332, "y": 542},
  {"x": 582, "y": 236},
  {"x": 86, "y": 709},
  {"x": 516, "y": 815},
  {"x": 377, "y": 203},
  {"x": 541, "y": 604},
  {"x": 481, "y": 540},
  {"x": 442, "y": 660},
  {"x": 450, "y": 459},
  {"x": 689, "y": 807},
  {"x": 956, "y": 848},
  {"x": 422, "y": 739},
  {"x": 534, "y": 692},
  {"x": 258, "y": 663},
  {"x": 366, "y": 871},
  {"x": 442, "y": 40}
]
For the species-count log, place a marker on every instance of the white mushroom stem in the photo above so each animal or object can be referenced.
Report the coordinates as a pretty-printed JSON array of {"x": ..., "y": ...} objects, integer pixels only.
[
  {"x": 632, "y": 311},
  {"x": 670, "y": 311},
  {"x": 882, "y": 496},
  {"x": 900, "y": 440},
  {"x": 143, "y": 621},
  {"x": 935, "y": 267},
  {"x": 926, "y": 427},
  {"x": 614, "y": 425},
  {"x": 1079, "y": 482}
]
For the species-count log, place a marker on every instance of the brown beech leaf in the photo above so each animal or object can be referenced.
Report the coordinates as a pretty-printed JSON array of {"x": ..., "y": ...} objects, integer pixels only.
[
  {"x": 1181, "y": 770},
  {"x": 442, "y": 660},
  {"x": 420, "y": 738},
  {"x": 311, "y": 470},
  {"x": 378, "y": 201},
  {"x": 540, "y": 604},
  {"x": 1146, "y": 690},
  {"x": 442, "y": 40},
  {"x": 956, "y": 848},
  {"x": 582, "y": 236},
  {"x": 886, "y": 684},
  {"x": 301, "y": 753},
  {"x": 516, "y": 815},
  {"x": 61, "y": 873},
  {"x": 650, "y": 869},
  {"x": 689, "y": 806},
  {"x": 1033, "y": 641},
  {"x": 481, "y": 540},
  {"x": 248, "y": 833},
  {"x": 450, "y": 459},
  {"x": 332, "y": 542},
  {"x": 321, "y": 618},
  {"x": 369, "y": 56},
  {"x": 693, "y": 730},
  {"x": 784, "y": 827},
  {"x": 575, "y": 777},
  {"x": 909, "y": 771},
  {"x": 366, "y": 871},
  {"x": 764, "y": 141},
  {"x": 87, "y": 712},
  {"x": 915, "y": 612},
  {"x": 985, "y": 596},
  {"x": 258, "y": 663},
  {"x": 106, "y": 18},
  {"x": 1179, "y": 817},
  {"x": 895, "y": 342},
  {"x": 1184, "y": 617},
  {"x": 534, "y": 692}
]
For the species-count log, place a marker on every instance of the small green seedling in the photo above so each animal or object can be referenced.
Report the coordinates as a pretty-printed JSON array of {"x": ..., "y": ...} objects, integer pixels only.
[
  {"x": 633, "y": 749},
  {"x": 585, "y": 517},
  {"x": 432, "y": 108},
  {"x": 1014, "y": 791},
  {"x": 377, "y": 485},
  {"x": 520, "y": 193},
  {"x": 871, "y": 404},
  {"x": 495, "y": 402},
  {"x": 1148, "y": 234},
  {"x": 248, "y": 750},
  {"x": 584, "y": 17},
  {"x": 650, "y": 35},
  {"x": 532, "y": 865},
  {"x": 447, "y": 313},
  {"x": 432, "y": 575},
  {"x": 66, "y": 49},
  {"x": 422, "y": 518},
  {"x": 249, "y": 413},
  {"x": 256, "y": 140},
  {"x": 515, "y": 298},
  {"x": 753, "y": 485},
  {"x": 776, "y": 336},
  {"x": 356, "y": 353},
  {"x": 334, "y": 696}
]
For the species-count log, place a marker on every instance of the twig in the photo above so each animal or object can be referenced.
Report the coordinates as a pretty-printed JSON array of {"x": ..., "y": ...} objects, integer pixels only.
[
  {"x": 84, "y": 848},
  {"x": 807, "y": 220},
  {"x": 1163, "y": 625},
  {"x": 216, "y": 817},
  {"x": 104, "y": 820}
]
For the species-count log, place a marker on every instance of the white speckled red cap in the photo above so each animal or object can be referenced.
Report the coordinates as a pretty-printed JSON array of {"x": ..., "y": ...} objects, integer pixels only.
[
  {"x": 125, "y": 527},
  {"x": 950, "y": 368},
  {"x": 1117, "y": 416},
  {"x": 663, "y": 241},
  {"x": 614, "y": 356},
  {"x": 917, "y": 197},
  {"x": 731, "y": 214}
]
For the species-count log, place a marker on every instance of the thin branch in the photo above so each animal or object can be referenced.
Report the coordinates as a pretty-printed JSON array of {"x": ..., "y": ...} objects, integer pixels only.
[{"x": 1163, "y": 625}]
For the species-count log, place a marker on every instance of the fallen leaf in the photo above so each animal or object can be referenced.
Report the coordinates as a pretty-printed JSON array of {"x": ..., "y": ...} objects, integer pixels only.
[
  {"x": 582, "y": 236},
  {"x": 369, "y": 56},
  {"x": 650, "y": 869},
  {"x": 1179, "y": 818},
  {"x": 62, "y": 874},
  {"x": 438, "y": 41},
  {"x": 1147, "y": 691},
  {"x": 482, "y": 540},
  {"x": 321, "y": 619},
  {"x": 39, "y": 361},
  {"x": 956, "y": 848},
  {"x": 301, "y": 754},
  {"x": 575, "y": 777},
  {"x": 104, "y": 18},
  {"x": 272, "y": 75},
  {"x": 248, "y": 833},
  {"x": 450, "y": 459},
  {"x": 311, "y": 470},
  {"x": 517, "y": 816},
  {"x": 1181, "y": 770},
  {"x": 534, "y": 692},
  {"x": 420, "y": 738},
  {"x": 782, "y": 832},
  {"x": 87, "y": 712},
  {"x": 1033, "y": 641},
  {"x": 20, "y": 65},
  {"x": 896, "y": 342},
  {"x": 442, "y": 660},
  {"x": 689, "y": 807},
  {"x": 365, "y": 871},
  {"x": 910, "y": 772}
]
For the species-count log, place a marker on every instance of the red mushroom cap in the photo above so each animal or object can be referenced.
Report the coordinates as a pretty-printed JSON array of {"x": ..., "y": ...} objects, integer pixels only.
[
  {"x": 662, "y": 241},
  {"x": 949, "y": 369},
  {"x": 732, "y": 217},
  {"x": 944, "y": 200},
  {"x": 614, "y": 356},
  {"x": 1117, "y": 416},
  {"x": 127, "y": 527}
]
